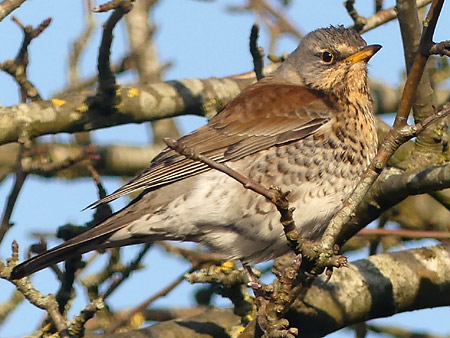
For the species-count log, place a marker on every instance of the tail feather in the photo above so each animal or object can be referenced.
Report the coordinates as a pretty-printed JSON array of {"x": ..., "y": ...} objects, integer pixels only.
[
  {"x": 98, "y": 236},
  {"x": 69, "y": 249}
]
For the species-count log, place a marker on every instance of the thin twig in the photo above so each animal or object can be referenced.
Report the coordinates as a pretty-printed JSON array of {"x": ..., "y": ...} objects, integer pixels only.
[
  {"x": 378, "y": 5},
  {"x": 373, "y": 245},
  {"x": 17, "y": 68},
  {"x": 30, "y": 33},
  {"x": 98, "y": 182},
  {"x": 103, "y": 211},
  {"x": 12, "y": 198},
  {"x": 359, "y": 20},
  {"x": 398, "y": 332},
  {"x": 404, "y": 233},
  {"x": 386, "y": 15},
  {"x": 442, "y": 48},
  {"x": 162, "y": 314},
  {"x": 27, "y": 88},
  {"x": 80, "y": 44},
  {"x": 48, "y": 169},
  {"x": 245, "y": 181},
  {"x": 133, "y": 266},
  {"x": 76, "y": 326},
  {"x": 47, "y": 303},
  {"x": 106, "y": 78},
  {"x": 256, "y": 52},
  {"x": 275, "y": 21},
  {"x": 110, "y": 5},
  {"x": 10, "y": 305},
  {"x": 194, "y": 257},
  {"x": 144, "y": 305}
]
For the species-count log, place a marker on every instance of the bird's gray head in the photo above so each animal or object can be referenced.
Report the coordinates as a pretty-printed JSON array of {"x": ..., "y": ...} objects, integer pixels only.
[{"x": 333, "y": 60}]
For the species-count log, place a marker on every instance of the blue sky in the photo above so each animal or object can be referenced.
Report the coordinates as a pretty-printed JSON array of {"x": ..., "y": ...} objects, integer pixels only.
[{"x": 202, "y": 40}]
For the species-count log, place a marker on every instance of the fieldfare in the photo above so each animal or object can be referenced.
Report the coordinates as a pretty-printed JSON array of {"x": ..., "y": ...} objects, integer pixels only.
[{"x": 307, "y": 128}]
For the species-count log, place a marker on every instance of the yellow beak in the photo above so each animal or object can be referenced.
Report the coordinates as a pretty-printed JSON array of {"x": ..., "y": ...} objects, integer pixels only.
[{"x": 364, "y": 54}]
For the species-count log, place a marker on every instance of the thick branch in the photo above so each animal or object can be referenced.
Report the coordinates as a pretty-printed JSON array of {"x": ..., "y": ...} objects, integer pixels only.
[
  {"x": 417, "y": 50},
  {"x": 390, "y": 189},
  {"x": 141, "y": 31},
  {"x": 113, "y": 160},
  {"x": 379, "y": 286},
  {"x": 416, "y": 55},
  {"x": 116, "y": 160},
  {"x": 136, "y": 105},
  {"x": 7, "y": 6},
  {"x": 204, "y": 97}
]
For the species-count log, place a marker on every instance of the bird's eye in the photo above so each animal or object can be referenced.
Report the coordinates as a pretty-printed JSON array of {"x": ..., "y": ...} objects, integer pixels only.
[{"x": 327, "y": 57}]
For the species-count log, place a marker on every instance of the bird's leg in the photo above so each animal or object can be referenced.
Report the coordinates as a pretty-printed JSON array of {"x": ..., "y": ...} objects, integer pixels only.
[
  {"x": 339, "y": 261},
  {"x": 254, "y": 283},
  {"x": 297, "y": 261}
]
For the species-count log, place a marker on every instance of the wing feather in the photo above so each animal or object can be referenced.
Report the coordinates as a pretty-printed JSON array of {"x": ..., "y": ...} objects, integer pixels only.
[{"x": 264, "y": 115}]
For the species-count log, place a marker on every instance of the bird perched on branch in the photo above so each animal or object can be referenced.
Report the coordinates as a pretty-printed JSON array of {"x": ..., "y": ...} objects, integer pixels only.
[{"x": 307, "y": 128}]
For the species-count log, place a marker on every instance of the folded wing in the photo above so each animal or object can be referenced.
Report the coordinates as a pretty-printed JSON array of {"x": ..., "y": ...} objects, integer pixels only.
[{"x": 264, "y": 115}]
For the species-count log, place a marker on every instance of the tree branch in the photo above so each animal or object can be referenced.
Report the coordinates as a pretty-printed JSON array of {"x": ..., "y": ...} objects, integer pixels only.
[
  {"x": 137, "y": 104},
  {"x": 106, "y": 78},
  {"x": 14, "y": 194},
  {"x": 47, "y": 303},
  {"x": 359, "y": 20},
  {"x": 7, "y": 6},
  {"x": 256, "y": 52},
  {"x": 386, "y": 15},
  {"x": 111, "y": 160},
  {"x": 392, "y": 187},
  {"x": 17, "y": 68},
  {"x": 442, "y": 48},
  {"x": 80, "y": 44},
  {"x": 394, "y": 139},
  {"x": 392, "y": 142},
  {"x": 370, "y": 288}
]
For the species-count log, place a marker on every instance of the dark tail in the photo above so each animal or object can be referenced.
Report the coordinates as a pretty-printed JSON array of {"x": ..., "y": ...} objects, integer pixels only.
[
  {"x": 93, "y": 239},
  {"x": 69, "y": 249}
]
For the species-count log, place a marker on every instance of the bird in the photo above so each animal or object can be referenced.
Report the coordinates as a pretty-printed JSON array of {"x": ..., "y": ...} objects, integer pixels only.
[{"x": 307, "y": 128}]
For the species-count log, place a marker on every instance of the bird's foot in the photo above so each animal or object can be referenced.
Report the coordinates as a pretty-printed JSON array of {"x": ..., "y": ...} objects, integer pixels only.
[
  {"x": 254, "y": 283},
  {"x": 319, "y": 260}
]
